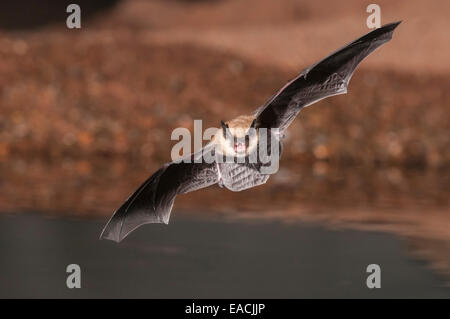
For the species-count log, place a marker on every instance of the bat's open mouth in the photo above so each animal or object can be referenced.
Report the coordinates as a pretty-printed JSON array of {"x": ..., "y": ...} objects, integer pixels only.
[{"x": 239, "y": 147}]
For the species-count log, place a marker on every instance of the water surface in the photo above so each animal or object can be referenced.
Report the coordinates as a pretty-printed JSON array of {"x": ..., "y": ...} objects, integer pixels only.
[{"x": 201, "y": 257}]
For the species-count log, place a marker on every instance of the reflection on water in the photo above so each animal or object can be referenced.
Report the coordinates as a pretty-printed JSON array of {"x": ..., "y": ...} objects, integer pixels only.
[
  {"x": 409, "y": 203},
  {"x": 205, "y": 257}
]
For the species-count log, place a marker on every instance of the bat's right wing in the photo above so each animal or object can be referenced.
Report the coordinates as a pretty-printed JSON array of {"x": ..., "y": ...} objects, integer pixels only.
[
  {"x": 152, "y": 202},
  {"x": 326, "y": 78}
]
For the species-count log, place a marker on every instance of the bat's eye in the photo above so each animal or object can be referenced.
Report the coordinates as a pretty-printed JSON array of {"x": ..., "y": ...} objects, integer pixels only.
[{"x": 225, "y": 128}]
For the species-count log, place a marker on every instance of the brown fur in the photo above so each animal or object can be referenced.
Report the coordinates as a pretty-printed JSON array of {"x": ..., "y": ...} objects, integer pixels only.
[{"x": 238, "y": 127}]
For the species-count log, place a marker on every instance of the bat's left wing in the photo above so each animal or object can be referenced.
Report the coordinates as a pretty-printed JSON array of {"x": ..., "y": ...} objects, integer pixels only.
[
  {"x": 152, "y": 202},
  {"x": 326, "y": 78}
]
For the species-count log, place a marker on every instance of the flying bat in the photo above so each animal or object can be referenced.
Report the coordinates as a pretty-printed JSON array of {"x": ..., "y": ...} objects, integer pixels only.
[{"x": 240, "y": 139}]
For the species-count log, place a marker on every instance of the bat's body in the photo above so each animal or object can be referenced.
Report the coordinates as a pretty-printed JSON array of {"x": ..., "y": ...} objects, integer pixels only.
[{"x": 240, "y": 139}]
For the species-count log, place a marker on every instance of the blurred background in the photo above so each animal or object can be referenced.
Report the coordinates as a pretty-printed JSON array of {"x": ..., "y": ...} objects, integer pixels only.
[{"x": 86, "y": 116}]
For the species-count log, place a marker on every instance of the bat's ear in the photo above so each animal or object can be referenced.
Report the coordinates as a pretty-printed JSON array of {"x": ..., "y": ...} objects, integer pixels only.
[
  {"x": 251, "y": 130},
  {"x": 224, "y": 128}
]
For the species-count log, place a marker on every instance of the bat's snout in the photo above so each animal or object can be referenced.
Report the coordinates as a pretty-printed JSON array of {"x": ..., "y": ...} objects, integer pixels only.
[{"x": 239, "y": 147}]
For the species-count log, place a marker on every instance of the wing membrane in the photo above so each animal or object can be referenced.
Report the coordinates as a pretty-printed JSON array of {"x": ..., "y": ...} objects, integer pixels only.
[
  {"x": 326, "y": 78},
  {"x": 152, "y": 202}
]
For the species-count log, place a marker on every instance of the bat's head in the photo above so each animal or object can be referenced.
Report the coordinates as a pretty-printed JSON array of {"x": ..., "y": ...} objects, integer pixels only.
[{"x": 238, "y": 137}]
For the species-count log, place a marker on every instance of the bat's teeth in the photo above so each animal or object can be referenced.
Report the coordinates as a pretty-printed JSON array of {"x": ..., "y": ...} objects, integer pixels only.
[{"x": 239, "y": 147}]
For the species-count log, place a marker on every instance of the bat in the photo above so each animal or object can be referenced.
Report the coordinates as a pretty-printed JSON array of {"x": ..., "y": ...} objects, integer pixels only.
[{"x": 240, "y": 139}]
